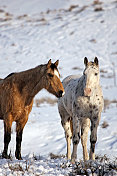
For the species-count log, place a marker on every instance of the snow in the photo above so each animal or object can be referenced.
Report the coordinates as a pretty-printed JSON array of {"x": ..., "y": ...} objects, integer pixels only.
[{"x": 32, "y": 32}]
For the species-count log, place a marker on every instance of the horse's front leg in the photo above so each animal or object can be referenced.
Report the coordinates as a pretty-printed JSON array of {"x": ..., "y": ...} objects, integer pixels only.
[
  {"x": 93, "y": 136},
  {"x": 85, "y": 126},
  {"x": 76, "y": 137},
  {"x": 7, "y": 134},
  {"x": 19, "y": 131}
]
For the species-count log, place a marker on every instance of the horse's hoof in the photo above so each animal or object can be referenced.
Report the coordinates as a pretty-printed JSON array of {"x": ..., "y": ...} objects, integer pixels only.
[
  {"x": 20, "y": 158},
  {"x": 18, "y": 155},
  {"x": 4, "y": 155},
  {"x": 72, "y": 161}
]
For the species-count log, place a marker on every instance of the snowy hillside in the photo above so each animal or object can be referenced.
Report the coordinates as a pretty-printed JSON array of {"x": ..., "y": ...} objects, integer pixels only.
[{"x": 32, "y": 32}]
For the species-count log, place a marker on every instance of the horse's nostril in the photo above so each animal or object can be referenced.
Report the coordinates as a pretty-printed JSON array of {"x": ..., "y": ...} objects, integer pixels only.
[
  {"x": 60, "y": 93},
  {"x": 87, "y": 91}
]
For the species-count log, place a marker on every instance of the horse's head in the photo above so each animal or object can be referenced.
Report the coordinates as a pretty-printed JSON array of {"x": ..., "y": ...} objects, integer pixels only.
[
  {"x": 91, "y": 76},
  {"x": 53, "y": 79}
]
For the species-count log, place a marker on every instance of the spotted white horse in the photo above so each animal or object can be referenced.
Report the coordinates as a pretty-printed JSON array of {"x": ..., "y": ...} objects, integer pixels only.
[{"x": 81, "y": 104}]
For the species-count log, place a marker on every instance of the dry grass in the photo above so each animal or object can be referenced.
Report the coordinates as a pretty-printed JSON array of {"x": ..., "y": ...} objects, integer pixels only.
[
  {"x": 2, "y": 11},
  {"x": 97, "y": 9},
  {"x": 108, "y": 102},
  {"x": 20, "y": 168},
  {"x": 97, "y": 2},
  {"x": 76, "y": 68},
  {"x": 104, "y": 124},
  {"x": 53, "y": 156},
  {"x": 103, "y": 71},
  {"x": 93, "y": 41},
  {"x": 16, "y": 167},
  {"x": 47, "y": 100},
  {"x": 102, "y": 166},
  {"x": 72, "y": 7},
  {"x": 22, "y": 16}
]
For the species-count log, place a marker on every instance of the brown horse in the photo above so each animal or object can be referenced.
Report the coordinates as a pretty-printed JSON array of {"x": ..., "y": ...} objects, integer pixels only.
[{"x": 17, "y": 91}]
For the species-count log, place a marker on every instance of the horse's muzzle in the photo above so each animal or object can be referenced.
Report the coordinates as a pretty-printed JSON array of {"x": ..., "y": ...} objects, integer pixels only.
[
  {"x": 61, "y": 93},
  {"x": 87, "y": 92}
]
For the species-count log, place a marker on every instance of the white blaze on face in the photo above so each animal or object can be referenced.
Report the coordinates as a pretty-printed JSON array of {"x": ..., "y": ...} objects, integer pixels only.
[{"x": 56, "y": 73}]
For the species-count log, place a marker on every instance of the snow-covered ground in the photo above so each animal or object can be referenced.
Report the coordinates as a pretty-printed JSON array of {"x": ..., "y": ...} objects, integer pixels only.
[{"x": 32, "y": 32}]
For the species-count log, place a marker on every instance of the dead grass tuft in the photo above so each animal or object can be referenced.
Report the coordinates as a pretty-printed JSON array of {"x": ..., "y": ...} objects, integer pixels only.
[
  {"x": 22, "y": 16},
  {"x": 103, "y": 71},
  {"x": 81, "y": 9},
  {"x": 47, "y": 100},
  {"x": 102, "y": 166},
  {"x": 104, "y": 124},
  {"x": 16, "y": 167},
  {"x": 53, "y": 156},
  {"x": 72, "y": 7},
  {"x": 97, "y": 9},
  {"x": 93, "y": 41},
  {"x": 97, "y": 2},
  {"x": 20, "y": 167},
  {"x": 7, "y": 14},
  {"x": 1, "y": 11},
  {"x": 108, "y": 102},
  {"x": 76, "y": 68}
]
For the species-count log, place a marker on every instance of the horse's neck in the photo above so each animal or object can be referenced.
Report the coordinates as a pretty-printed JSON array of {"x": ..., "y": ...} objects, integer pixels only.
[
  {"x": 31, "y": 82},
  {"x": 80, "y": 81}
]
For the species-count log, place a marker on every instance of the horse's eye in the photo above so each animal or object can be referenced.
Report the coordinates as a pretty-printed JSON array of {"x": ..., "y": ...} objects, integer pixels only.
[
  {"x": 50, "y": 75},
  {"x": 96, "y": 74}
]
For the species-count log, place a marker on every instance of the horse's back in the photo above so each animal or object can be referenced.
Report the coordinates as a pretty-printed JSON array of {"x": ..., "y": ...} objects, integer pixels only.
[{"x": 69, "y": 79}]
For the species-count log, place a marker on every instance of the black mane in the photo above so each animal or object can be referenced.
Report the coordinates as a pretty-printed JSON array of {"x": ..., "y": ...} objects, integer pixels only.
[{"x": 9, "y": 75}]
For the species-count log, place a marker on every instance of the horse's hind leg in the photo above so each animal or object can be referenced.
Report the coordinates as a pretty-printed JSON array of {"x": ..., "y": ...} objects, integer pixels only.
[
  {"x": 85, "y": 126},
  {"x": 66, "y": 122},
  {"x": 7, "y": 134},
  {"x": 76, "y": 136},
  {"x": 19, "y": 131}
]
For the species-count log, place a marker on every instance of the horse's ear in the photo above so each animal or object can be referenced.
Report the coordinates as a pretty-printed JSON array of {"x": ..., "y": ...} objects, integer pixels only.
[
  {"x": 49, "y": 63},
  {"x": 85, "y": 61},
  {"x": 56, "y": 63},
  {"x": 96, "y": 61}
]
